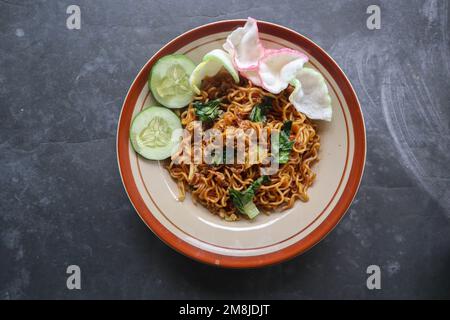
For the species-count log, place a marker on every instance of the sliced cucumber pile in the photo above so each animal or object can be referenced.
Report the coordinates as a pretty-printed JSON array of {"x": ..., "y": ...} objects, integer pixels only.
[
  {"x": 154, "y": 133},
  {"x": 169, "y": 81}
]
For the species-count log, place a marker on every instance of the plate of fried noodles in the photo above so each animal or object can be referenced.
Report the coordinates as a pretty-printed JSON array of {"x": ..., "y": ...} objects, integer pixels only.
[{"x": 241, "y": 143}]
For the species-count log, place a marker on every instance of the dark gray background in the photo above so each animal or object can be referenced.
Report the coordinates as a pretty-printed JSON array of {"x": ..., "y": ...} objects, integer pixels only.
[{"x": 62, "y": 201}]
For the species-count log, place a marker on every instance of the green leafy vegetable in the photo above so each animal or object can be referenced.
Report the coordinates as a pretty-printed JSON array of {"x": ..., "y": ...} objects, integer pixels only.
[
  {"x": 259, "y": 112},
  {"x": 243, "y": 200},
  {"x": 208, "y": 111},
  {"x": 217, "y": 159},
  {"x": 222, "y": 158},
  {"x": 284, "y": 143}
]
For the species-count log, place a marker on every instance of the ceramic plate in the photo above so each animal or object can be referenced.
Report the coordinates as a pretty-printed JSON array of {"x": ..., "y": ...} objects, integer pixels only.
[{"x": 194, "y": 231}]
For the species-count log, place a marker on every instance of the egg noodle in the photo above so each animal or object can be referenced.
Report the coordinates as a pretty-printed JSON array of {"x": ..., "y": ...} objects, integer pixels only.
[{"x": 209, "y": 183}]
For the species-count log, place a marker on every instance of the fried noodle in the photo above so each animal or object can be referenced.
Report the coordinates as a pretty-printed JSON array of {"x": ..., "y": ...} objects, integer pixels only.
[{"x": 210, "y": 184}]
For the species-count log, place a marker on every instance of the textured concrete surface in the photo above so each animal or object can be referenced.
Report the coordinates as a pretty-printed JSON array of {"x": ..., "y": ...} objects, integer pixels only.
[{"x": 62, "y": 201}]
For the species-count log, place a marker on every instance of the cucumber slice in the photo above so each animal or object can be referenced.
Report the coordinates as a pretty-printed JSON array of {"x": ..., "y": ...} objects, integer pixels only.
[
  {"x": 155, "y": 133},
  {"x": 223, "y": 58},
  {"x": 212, "y": 62},
  {"x": 203, "y": 70},
  {"x": 169, "y": 81}
]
